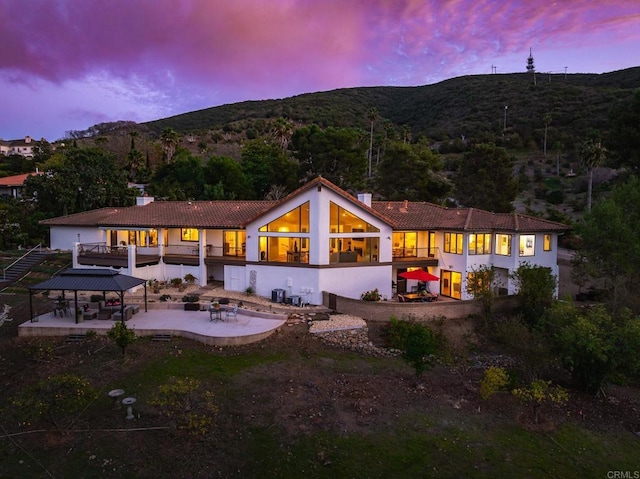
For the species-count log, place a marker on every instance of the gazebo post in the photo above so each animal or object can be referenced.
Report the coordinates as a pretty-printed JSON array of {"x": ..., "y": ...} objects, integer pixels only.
[
  {"x": 75, "y": 301},
  {"x": 31, "y": 305},
  {"x": 122, "y": 318}
]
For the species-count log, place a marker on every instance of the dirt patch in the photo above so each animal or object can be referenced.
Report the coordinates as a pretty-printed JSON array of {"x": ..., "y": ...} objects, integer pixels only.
[{"x": 309, "y": 387}]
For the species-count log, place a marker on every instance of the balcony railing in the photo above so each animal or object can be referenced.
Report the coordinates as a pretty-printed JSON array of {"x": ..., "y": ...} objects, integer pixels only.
[
  {"x": 219, "y": 251},
  {"x": 400, "y": 254},
  {"x": 88, "y": 249}
]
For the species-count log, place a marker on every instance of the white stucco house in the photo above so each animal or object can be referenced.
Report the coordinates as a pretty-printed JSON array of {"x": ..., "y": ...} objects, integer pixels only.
[{"x": 319, "y": 238}]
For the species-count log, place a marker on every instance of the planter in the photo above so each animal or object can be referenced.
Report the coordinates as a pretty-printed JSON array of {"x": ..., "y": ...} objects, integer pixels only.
[{"x": 192, "y": 306}]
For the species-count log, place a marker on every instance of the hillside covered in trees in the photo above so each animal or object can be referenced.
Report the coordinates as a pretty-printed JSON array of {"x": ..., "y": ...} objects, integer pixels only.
[{"x": 470, "y": 106}]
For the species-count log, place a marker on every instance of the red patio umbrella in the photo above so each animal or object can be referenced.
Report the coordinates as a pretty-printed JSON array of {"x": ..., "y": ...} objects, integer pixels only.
[{"x": 420, "y": 275}]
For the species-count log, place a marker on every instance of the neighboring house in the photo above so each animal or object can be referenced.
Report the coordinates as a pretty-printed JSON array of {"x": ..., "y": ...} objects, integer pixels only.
[
  {"x": 23, "y": 147},
  {"x": 318, "y": 238},
  {"x": 13, "y": 185}
]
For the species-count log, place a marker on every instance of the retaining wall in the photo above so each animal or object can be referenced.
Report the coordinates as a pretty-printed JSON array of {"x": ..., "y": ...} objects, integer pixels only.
[{"x": 383, "y": 310}]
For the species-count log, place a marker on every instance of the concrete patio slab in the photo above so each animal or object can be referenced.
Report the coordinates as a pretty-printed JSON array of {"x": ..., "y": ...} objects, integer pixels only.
[{"x": 247, "y": 327}]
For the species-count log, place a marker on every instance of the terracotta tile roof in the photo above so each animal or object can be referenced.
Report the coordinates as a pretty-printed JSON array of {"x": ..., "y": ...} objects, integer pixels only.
[
  {"x": 88, "y": 218},
  {"x": 410, "y": 214},
  {"x": 169, "y": 214},
  {"x": 16, "y": 180},
  {"x": 401, "y": 215},
  {"x": 423, "y": 216}
]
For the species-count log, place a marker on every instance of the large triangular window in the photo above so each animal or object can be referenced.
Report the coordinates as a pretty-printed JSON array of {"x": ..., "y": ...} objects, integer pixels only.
[
  {"x": 343, "y": 221},
  {"x": 294, "y": 221}
]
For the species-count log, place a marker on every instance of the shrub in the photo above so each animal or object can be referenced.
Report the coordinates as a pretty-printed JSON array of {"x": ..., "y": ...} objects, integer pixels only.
[
  {"x": 190, "y": 298},
  {"x": 121, "y": 335},
  {"x": 56, "y": 397},
  {"x": 540, "y": 393},
  {"x": 249, "y": 291},
  {"x": 190, "y": 279},
  {"x": 184, "y": 402},
  {"x": 417, "y": 342},
  {"x": 373, "y": 295},
  {"x": 494, "y": 380},
  {"x": 175, "y": 282},
  {"x": 96, "y": 298},
  {"x": 164, "y": 298},
  {"x": 555, "y": 197}
]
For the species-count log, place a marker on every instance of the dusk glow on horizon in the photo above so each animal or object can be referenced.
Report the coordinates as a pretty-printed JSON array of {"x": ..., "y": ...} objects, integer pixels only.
[{"x": 69, "y": 64}]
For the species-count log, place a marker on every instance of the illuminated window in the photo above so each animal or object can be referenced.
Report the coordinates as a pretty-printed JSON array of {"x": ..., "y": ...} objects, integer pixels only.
[
  {"x": 451, "y": 284},
  {"x": 405, "y": 244},
  {"x": 234, "y": 243},
  {"x": 546, "y": 243},
  {"x": 527, "y": 245},
  {"x": 189, "y": 234},
  {"x": 143, "y": 238},
  {"x": 480, "y": 243},
  {"x": 284, "y": 249},
  {"x": 503, "y": 245},
  {"x": 294, "y": 221},
  {"x": 343, "y": 221},
  {"x": 353, "y": 250},
  {"x": 453, "y": 243}
]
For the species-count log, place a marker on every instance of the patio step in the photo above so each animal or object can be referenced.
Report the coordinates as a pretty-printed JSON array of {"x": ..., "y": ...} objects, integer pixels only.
[
  {"x": 75, "y": 338},
  {"x": 161, "y": 337}
]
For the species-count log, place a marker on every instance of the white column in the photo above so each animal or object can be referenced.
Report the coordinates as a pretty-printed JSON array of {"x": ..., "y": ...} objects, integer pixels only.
[
  {"x": 75, "y": 255},
  {"x": 131, "y": 258},
  {"x": 202, "y": 251}
]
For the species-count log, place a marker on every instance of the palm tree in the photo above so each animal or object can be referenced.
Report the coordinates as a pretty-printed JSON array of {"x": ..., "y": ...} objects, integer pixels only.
[
  {"x": 282, "y": 131},
  {"x": 558, "y": 150},
  {"x": 406, "y": 134},
  {"x": 372, "y": 115},
  {"x": 547, "y": 122},
  {"x": 593, "y": 154},
  {"x": 169, "y": 140},
  {"x": 133, "y": 135}
]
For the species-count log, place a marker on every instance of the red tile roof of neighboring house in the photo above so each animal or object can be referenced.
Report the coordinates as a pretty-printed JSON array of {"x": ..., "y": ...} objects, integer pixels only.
[{"x": 16, "y": 180}]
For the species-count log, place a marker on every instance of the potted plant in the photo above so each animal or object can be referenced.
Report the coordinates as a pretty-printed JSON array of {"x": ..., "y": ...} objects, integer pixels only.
[
  {"x": 154, "y": 285},
  {"x": 191, "y": 302}
]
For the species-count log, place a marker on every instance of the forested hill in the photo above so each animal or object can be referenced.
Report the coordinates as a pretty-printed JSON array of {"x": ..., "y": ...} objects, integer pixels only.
[{"x": 473, "y": 106}]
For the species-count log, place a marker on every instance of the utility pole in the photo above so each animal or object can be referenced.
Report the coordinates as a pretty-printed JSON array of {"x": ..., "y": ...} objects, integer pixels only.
[{"x": 505, "y": 120}]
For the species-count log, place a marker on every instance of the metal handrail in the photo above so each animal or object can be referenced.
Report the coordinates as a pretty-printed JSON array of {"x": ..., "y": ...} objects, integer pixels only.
[{"x": 4, "y": 273}]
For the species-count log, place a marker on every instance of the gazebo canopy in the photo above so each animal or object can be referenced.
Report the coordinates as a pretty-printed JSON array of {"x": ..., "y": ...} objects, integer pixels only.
[{"x": 85, "y": 279}]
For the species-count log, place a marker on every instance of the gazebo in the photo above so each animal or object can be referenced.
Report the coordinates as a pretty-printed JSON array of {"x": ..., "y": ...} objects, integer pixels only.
[{"x": 85, "y": 279}]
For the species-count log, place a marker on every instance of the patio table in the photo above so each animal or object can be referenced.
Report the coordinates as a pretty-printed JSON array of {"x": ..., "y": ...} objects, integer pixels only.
[
  {"x": 216, "y": 313},
  {"x": 417, "y": 297}
]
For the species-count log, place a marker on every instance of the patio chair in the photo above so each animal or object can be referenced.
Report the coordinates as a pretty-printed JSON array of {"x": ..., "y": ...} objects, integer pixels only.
[{"x": 233, "y": 312}]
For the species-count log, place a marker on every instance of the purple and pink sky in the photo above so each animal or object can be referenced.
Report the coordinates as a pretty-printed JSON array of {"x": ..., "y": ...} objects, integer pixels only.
[{"x": 69, "y": 64}]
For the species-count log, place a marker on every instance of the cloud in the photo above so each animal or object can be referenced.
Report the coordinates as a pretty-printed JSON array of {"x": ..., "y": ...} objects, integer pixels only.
[{"x": 179, "y": 54}]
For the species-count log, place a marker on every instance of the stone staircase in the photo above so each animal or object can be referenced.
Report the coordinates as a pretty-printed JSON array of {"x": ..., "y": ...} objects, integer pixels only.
[{"x": 17, "y": 270}]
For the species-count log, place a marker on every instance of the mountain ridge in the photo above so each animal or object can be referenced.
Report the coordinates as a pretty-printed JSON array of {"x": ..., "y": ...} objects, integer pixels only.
[{"x": 470, "y": 106}]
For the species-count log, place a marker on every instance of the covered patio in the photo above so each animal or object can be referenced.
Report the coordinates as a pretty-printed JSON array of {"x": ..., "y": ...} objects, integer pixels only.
[{"x": 78, "y": 279}]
